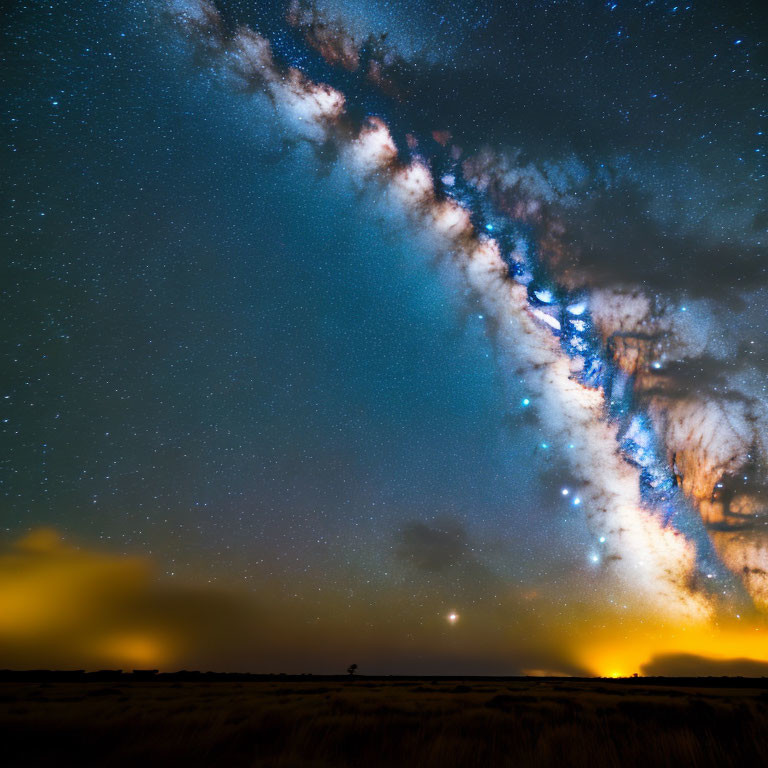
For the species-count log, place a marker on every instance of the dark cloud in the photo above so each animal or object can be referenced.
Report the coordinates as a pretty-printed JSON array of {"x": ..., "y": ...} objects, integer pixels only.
[
  {"x": 701, "y": 375},
  {"x": 690, "y": 665},
  {"x": 436, "y": 65},
  {"x": 432, "y": 548},
  {"x": 614, "y": 238}
]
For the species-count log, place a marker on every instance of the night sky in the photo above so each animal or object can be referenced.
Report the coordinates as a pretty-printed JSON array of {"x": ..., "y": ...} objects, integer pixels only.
[{"x": 433, "y": 338}]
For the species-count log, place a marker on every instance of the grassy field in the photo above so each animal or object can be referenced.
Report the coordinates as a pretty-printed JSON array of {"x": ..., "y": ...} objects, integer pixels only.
[{"x": 371, "y": 723}]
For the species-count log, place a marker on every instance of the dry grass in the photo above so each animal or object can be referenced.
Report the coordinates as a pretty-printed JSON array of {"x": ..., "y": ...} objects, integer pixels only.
[{"x": 369, "y": 724}]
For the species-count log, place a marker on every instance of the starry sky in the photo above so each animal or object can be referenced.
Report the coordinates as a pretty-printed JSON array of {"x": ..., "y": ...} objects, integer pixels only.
[{"x": 288, "y": 384}]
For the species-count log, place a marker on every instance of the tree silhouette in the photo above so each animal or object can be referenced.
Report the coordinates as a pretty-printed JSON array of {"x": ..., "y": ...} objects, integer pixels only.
[{"x": 351, "y": 669}]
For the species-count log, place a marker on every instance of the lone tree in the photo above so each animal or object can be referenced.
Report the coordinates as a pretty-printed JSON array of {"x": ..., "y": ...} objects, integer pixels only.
[{"x": 351, "y": 669}]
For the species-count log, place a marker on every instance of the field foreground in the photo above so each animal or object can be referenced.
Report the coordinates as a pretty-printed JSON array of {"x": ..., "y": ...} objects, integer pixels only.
[{"x": 367, "y": 723}]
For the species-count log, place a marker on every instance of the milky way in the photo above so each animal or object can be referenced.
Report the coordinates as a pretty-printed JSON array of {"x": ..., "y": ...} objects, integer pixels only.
[{"x": 589, "y": 355}]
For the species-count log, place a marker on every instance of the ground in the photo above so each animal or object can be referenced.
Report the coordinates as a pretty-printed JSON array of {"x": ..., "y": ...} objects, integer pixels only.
[{"x": 336, "y": 723}]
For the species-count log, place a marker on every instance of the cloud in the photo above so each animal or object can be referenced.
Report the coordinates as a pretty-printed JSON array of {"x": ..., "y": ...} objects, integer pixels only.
[
  {"x": 602, "y": 226},
  {"x": 690, "y": 665},
  {"x": 432, "y": 548},
  {"x": 63, "y": 606},
  {"x": 654, "y": 254}
]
